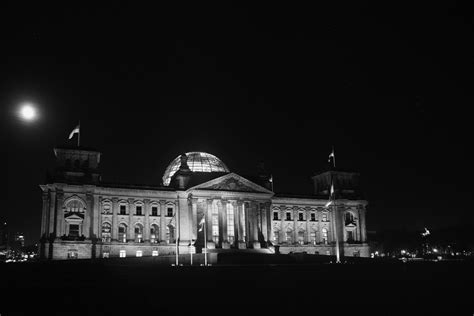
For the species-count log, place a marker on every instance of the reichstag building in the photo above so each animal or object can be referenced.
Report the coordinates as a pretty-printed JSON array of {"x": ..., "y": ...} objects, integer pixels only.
[{"x": 83, "y": 217}]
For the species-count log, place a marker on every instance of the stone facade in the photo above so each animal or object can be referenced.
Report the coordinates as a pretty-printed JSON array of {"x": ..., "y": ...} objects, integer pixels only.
[{"x": 83, "y": 217}]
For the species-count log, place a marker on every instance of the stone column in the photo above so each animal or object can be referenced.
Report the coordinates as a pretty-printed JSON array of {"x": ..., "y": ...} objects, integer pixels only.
[
  {"x": 89, "y": 216},
  {"x": 254, "y": 224},
  {"x": 363, "y": 231},
  {"x": 319, "y": 236},
  {"x": 282, "y": 224},
  {"x": 264, "y": 221},
  {"x": 114, "y": 219},
  {"x": 52, "y": 207},
  {"x": 236, "y": 222},
  {"x": 146, "y": 229},
  {"x": 44, "y": 214},
  {"x": 96, "y": 216},
  {"x": 295, "y": 225},
  {"x": 99, "y": 221},
  {"x": 163, "y": 222},
  {"x": 239, "y": 237},
  {"x": 131, "y": 228},
  {"x": 208, "y": 211},
  {"x": 220, "y": 209},
  {"x": 59, "y": 214},
  {"x": 269, "y": 223},
  {"x": 194, "y": 221},
  {"x": 307, "y": 234}
]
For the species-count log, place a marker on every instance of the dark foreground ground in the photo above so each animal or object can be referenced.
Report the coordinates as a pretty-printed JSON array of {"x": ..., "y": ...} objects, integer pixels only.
[{"x": 134, "y": 286}]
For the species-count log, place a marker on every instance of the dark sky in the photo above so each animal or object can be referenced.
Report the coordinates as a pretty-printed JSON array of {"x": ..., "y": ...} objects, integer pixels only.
[{"x": 389, "y": 87}]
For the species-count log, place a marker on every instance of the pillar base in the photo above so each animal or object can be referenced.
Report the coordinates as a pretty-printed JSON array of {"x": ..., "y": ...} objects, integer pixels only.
[
  {"x": 256, "y": 245},
  {"x": 225, "y": 245},
  {"x": 241, "y": 245}
]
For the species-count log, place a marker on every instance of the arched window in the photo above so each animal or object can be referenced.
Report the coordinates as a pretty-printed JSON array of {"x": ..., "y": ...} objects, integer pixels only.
[
  {"x": 106, "y": 208},
  {"x": 276, "y": 237},
  {"x": 349, "y": 218},
  {"x": 324, "y": 236},
  {"x": 106, "y": 232},
  {"x": 122, "y": 233},
  {"x": 301, "y": 237},
  {"x": 170, "y": 234},
  {"x": 289, "y": 237},
  {"x": 154, "y": 233},
  {"x": 324, "y": 216},
  {"x": 75, "y": 206},
  {"x": 312, "y": 238},
  {"x": 138, "y": 233}
]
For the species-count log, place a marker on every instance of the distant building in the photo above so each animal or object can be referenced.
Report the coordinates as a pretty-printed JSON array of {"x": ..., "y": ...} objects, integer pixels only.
[
  {"x": 19, "y": 240},
  {"x": 84, "y": 217},
  {"x": 4, "y": 245}
]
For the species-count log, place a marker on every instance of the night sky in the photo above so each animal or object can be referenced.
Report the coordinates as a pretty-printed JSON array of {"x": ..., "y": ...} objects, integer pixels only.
[{"x": 389, "y": 87}]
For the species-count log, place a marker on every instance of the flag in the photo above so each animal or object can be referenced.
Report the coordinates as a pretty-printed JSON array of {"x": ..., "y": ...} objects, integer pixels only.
[
  {"x": 333, "y": 156},
  {"x": 271, "y": 178},
  {"x": 76, "y": 130},
  {"x": 202, "y": 222}
]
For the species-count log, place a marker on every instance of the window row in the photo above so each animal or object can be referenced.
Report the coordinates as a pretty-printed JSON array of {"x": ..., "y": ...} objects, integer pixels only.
[
  {"x": 139, "y": 210},
  {"x": 301, "y": 216},
  {"x": 123, "y": 234},
  {"x": 288, "y": 237}
]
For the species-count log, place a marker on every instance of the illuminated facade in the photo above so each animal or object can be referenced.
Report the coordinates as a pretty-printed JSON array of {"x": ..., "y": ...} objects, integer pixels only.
[{"x": 84, "y": 217}]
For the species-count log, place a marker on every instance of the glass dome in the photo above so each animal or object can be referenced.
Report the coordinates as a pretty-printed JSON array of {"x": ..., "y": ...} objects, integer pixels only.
[{"x": 197, "y": 162}]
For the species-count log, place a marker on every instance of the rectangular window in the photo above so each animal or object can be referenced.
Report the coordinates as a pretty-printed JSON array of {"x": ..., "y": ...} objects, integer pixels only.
[
  {"x": 300, "y": 216},
  {"x": 170, "y": 212},
  {"x": 72, "y": 254},
  {"x": 139, "y": 210},
  {"x": 276, "y": 237},
  {"x": 325, "y": 217},
  {"x": 123, "y": 210},
  {"x": 74, "y": 230},
  {"x": 288, "y": 216},
  {"x": 275, "y": 216},
  {"x": 123, "y": 253},
  {"x": 139, "y": 253},
  {"x": 350, "y": 236},
  {"x": 312, "y": 236},
  {"x": 154, "y": 211},
  {"x": 105, "y": 255},
  {"x": 154, "y": 253},
  {"x": 313, "y": 217}
]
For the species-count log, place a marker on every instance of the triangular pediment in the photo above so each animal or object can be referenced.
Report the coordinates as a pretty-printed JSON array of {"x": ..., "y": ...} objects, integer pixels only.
[
  {"x": 73, "y": 217},
  {"x": 232, "y": 182}
]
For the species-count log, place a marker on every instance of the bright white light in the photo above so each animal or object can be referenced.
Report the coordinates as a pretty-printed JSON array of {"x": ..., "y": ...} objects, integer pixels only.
[
  {"x": 27, "y": 112},
  {"x": 435, "y": 250}
]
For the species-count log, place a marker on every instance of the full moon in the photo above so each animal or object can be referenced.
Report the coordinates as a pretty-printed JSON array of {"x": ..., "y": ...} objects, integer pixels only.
[{"x": 27, "y": 112}]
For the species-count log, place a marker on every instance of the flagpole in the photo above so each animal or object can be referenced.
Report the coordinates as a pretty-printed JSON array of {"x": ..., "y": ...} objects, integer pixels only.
[
  {"x": 338, "y": 260},
  {"x": 205, "y": 243},
  {"x": 177, "y": 236}
]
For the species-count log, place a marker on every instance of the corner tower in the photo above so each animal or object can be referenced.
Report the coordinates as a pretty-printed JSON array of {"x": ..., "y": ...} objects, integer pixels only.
[{"x": 76, "y": 165}]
